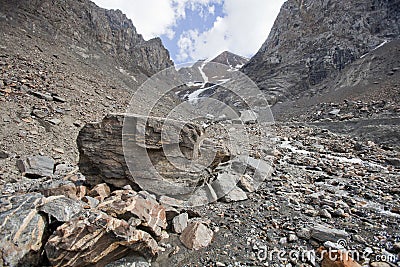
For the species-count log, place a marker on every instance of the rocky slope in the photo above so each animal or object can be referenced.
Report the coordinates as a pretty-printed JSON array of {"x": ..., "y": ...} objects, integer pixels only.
[
  {"x": 277, "y": 194},
  {"x": 315, "y": 40},
  {"x": 64, "y": 63},
  {"x": 90, "y": 31}
]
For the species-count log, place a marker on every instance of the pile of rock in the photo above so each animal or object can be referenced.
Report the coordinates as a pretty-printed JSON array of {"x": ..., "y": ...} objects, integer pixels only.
[{"x": 95, "y": 217}]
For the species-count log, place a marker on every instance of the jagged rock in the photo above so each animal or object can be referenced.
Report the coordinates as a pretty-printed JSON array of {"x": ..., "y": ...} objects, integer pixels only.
[
  {"x": 102, "y": 155},
  {"x": 3, "y": 154},
  {"x": 323, "y": 233},
  {"x": 180, "y": 222},
  {"x": 21, "y": 229},
  {"x": 92, "y": 202},
  {"x": 57, "y": 188},
  {"x": 196, "y": 236},
  {"x": 37, "y": 166},
  {"x": 201, "y": 196},
  {"x": 246, "y": 183},
  {"x": 236, "y": 194},
  {"x": 128, "y": 203},
  {"x": 100, "y": 191},
  {"x": 261, "y": 169},
  {"x": 224, "y": 184},
  {"x": 61, "y": 208},
  {"x": 96, "y": 238}
]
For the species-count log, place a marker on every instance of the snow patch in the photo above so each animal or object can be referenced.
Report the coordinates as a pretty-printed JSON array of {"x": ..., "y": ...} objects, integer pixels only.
[
  {"x": 379, "y": 46},
  {"x": 126, "y": 73}
]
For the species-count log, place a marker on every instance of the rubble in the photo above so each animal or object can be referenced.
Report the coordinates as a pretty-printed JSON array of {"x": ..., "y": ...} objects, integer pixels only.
[{"x": 196, "y": 236}]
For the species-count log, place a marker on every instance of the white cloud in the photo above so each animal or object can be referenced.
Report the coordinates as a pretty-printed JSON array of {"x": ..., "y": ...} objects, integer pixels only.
[
  {"x": 150, "y": 17},
  {"x": 211, "y": 9},
  {"x": 153, "y": 18},
  {"x": 242, "y": 30}
]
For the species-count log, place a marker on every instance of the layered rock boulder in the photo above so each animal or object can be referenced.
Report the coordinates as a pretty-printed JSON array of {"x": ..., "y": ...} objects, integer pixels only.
[
  {"x": 97, "y": 239},
  {"x": 21, "y": 228},
  {"x": 155, "y": 153}
]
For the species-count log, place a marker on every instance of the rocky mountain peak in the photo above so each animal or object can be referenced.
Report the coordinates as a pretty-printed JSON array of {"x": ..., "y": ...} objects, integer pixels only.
[
  {"x": 230, "y": 59},
  {"x": 86, "y": 27}
]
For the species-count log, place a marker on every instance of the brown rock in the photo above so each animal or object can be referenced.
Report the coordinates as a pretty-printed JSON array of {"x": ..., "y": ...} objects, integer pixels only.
[
  {"x": 246, "y": 183},
  {"x": 236, "y": 194},
  {"x": 137, "y": 150},
  {"x": 196, "y": 236},
  {"x": 58, "y": 188},
  {"x": 336, "y": 258},
  {"x": 97, "y": 239},
  {"x": 128, "y": 203},
  {"x": 100, "y": 191}
]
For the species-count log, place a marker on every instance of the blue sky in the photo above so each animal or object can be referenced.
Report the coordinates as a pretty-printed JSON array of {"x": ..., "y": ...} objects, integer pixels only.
[{"x": 199, "y": 29}]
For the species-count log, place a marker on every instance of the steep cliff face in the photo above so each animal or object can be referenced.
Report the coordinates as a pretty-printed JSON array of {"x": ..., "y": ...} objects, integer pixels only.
[
  {"x": 85, "y": 26},
  {"x": 312, "y": 40}
]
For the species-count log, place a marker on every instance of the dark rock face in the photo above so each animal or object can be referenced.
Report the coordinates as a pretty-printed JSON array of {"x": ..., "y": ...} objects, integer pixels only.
[
  {"x": 312, "y": 39},
  {"x": 86, "y": 26},
  {"x": 102, "y": 152}
]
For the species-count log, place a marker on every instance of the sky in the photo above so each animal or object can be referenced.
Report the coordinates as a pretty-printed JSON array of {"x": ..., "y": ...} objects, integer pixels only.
[{"x": 201, "y": 29}]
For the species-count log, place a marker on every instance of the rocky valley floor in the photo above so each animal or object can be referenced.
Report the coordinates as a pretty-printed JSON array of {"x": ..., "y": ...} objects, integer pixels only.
[{"x": 326, "y": 190}]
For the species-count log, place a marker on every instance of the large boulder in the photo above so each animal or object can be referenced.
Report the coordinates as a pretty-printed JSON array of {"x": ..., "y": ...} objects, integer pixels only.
[
  {"x": 150, "y": 153},
  {"x": 96, "y": 239}
]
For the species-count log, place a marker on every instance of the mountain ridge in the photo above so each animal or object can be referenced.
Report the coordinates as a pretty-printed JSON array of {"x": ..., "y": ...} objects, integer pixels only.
[{"x": 312, "y": 39}]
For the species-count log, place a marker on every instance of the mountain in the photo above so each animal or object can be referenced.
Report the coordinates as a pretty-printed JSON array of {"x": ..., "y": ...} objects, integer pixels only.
[
  {"x": 88, "y": 30},
  {"x": 312, "y": 41},
  {"x": 230, "y": 59},
  {"x": 204, "y": 77},
  {"x": 65, "y": 63},
  {"x": 213, "y": 70}
]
